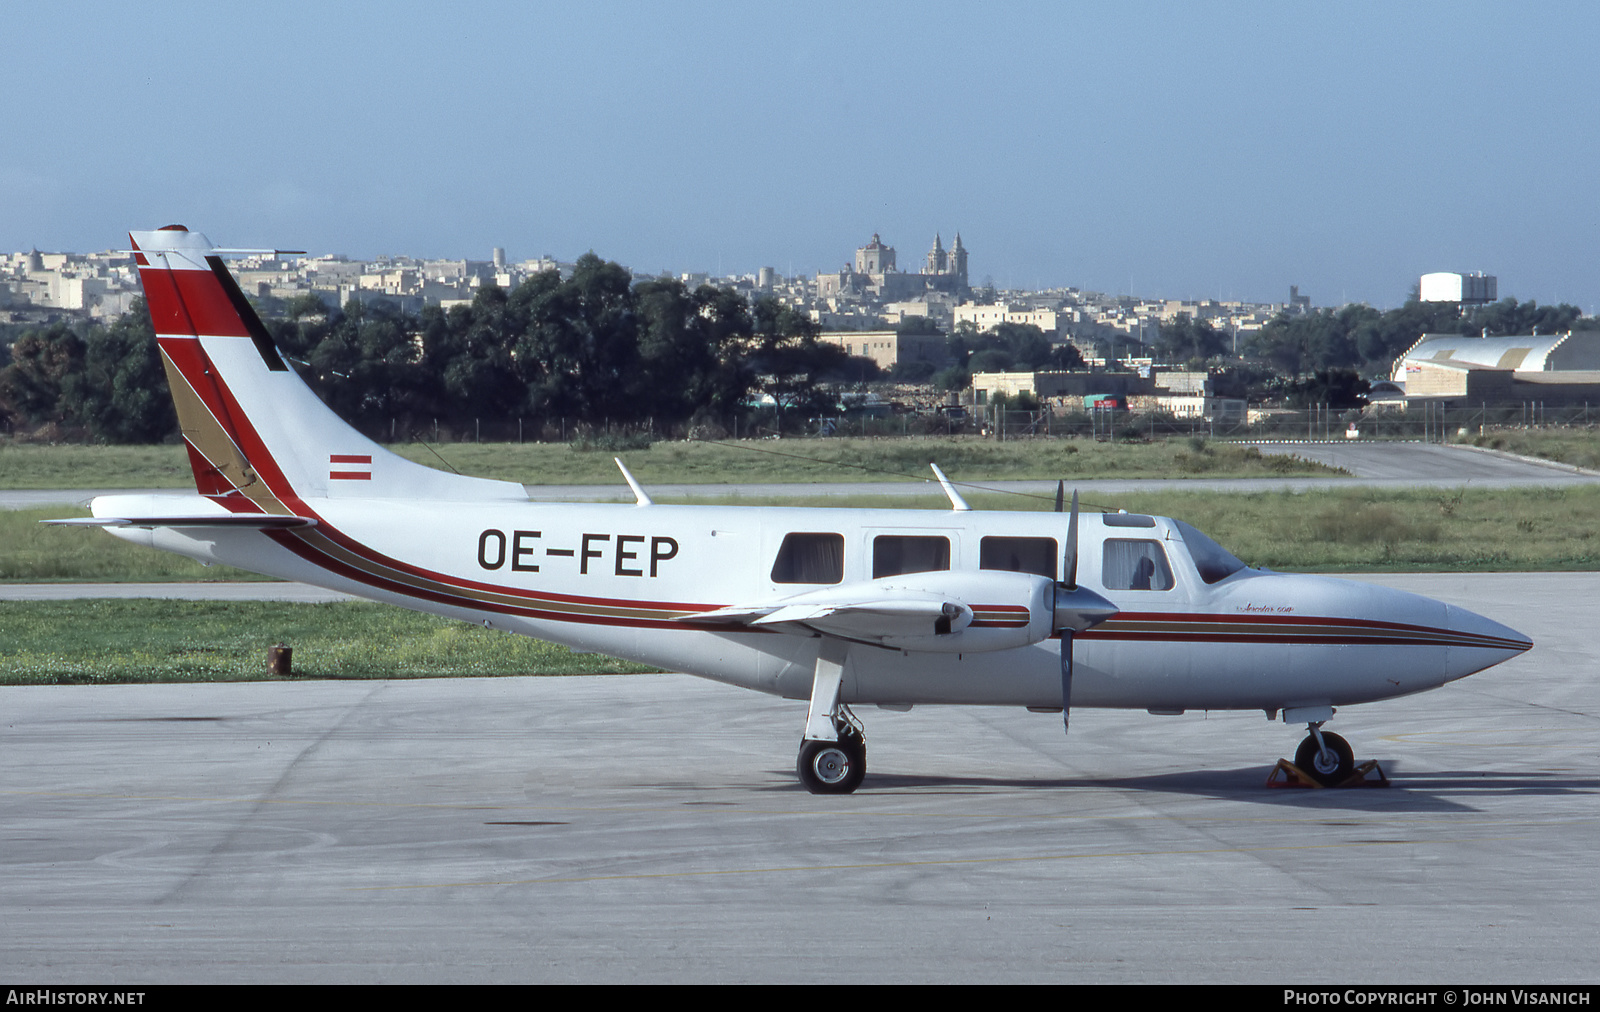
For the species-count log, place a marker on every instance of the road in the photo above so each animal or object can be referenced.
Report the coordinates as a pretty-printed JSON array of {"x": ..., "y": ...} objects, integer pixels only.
[{"x": 649, "y": 828}]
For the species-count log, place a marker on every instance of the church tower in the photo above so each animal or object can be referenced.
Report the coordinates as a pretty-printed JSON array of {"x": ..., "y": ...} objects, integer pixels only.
[{"x": 958, "y": 261}]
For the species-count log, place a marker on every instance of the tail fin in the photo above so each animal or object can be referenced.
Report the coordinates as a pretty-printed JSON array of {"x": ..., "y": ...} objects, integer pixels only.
[{"x": 255, "y": 432}]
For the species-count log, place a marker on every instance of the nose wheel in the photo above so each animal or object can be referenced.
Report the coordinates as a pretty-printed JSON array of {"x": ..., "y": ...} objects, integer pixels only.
[{"x": 1325, "y": 757}]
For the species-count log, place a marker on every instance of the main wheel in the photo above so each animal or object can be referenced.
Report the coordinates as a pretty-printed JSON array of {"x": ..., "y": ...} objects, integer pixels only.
[
  {"x": 1330, "y": 763},
  {"x": 832, "y": 767}
]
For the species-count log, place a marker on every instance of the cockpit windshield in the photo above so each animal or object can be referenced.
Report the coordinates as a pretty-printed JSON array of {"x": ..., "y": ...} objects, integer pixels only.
[{"x": 1212, "y": 560}]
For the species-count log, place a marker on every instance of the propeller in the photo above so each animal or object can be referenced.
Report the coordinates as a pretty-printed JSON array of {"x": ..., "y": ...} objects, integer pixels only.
[{"x": 1077, "y": 608}]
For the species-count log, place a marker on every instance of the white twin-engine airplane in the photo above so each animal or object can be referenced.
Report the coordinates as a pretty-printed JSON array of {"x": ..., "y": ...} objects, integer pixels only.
[{"x": 844, "y": 607}]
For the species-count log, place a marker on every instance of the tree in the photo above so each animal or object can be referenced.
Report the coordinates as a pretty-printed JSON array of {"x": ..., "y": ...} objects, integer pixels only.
[
  {"x": 1337, "y": 388},
  {"x": 44, "y": 364},
  {"x": 123, "y": 397},
  {"x": 1188, "y": 340},
  {"x": 916, "y": 325},
  {"x": 791, "y": 361},
  {"x": 692, "y": 347}
]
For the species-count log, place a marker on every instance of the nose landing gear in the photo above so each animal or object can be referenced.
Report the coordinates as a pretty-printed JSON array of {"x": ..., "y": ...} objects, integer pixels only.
[
  {"x": 1326, "y": 756},
  {"x": 1325, "y": 760}
]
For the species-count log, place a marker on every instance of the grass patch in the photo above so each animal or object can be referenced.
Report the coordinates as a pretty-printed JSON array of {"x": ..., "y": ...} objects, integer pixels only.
[
  {"x": 31, "y": 552},
  {"x": 112, "y": 641},
  {"x": 967, "y": 458},
  {"x": 1323, "y": 530},
  {"x": 1353, "y": 530},
  {"x": 69, "y": 465},
  {"x": 1579, "y": 447},
  {"x": 1396, "y": 530},
  {"x": 1342, "y": 530}
]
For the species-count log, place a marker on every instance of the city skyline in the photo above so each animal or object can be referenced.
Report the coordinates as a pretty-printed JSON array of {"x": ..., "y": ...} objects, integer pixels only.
[{"x": 1150, "y": 150}]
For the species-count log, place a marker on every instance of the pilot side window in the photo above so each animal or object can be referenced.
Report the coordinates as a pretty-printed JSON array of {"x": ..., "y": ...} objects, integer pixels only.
[
  {"x": 1134, "y": 565},
  {"x": 1019, "y": 555},
  {"x": 810, "y": 558},
  {"x": 894, "y": 554}
]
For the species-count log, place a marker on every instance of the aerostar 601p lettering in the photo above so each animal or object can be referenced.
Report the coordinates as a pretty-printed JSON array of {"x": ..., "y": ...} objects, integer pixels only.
[{"x": 838, "y": 607}]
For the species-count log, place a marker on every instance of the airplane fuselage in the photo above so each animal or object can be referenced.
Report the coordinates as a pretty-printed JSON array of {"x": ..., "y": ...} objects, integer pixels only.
[{"x": 626, "y": 580}]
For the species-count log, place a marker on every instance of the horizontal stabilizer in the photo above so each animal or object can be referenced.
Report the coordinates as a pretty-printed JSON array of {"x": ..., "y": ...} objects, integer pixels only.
[{"x": 247, "y": 521}]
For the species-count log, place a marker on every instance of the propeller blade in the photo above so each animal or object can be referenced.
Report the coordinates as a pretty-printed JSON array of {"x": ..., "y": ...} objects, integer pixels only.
[
  {"x": 1066, "y": 680},
  {"x": 1061, "y": 494},
  {"x": 1072, "y": 541}
]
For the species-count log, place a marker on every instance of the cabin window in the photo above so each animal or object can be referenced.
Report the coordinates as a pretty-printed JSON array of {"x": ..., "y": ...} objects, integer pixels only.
[
  {"x": 894, "y": 554},
  {"x": 1019, "y": 555},
  {"x": 810, "y": 558},
  {"x": 1134, "y": 565}
]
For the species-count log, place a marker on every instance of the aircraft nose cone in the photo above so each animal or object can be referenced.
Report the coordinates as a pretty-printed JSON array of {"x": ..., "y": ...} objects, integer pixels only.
[{"x": 1479, "y": 642}]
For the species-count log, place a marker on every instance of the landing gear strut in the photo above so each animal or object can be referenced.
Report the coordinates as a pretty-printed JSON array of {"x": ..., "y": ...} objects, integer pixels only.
[{"x": 1324, "y": 756}]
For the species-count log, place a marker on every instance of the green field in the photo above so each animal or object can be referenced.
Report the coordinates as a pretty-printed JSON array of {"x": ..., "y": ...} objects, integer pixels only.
[
  {"x": 25, "y": 465},
  {"x": 964, "y": 458},
  {"x": 1326, "y": 530},
  {"x": 104, "y": 641},
  {"x": 1335, "y": 530},
  {"x": 1578, "y": 447}
]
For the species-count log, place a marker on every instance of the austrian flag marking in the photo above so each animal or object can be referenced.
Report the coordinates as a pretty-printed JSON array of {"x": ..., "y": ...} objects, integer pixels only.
[{"x": 349, "y": 474}]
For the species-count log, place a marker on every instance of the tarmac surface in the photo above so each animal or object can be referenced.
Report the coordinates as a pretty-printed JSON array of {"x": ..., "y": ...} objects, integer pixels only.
[{"x": 650, "y": 828}]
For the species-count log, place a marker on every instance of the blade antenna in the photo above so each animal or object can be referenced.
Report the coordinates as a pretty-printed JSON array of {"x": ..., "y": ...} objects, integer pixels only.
[
  {"x": 956, "y": 502},
  {"x": 638, "y": 490}
]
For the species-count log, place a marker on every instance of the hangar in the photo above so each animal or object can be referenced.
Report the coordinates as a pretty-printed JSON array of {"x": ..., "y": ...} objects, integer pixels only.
[{"x": 1549, "y": 368}]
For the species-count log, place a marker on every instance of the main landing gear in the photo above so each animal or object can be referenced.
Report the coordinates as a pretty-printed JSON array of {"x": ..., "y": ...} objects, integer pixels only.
[{"x": 833, "y": 753}]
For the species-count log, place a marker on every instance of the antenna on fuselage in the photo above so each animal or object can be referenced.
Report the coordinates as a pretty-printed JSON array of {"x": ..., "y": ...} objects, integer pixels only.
[
  {"x": 638, "y": 490},
  {"x": 956, "y": 502}
]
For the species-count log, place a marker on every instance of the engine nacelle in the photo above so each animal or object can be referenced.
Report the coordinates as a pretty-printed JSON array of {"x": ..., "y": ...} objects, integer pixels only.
[{"x": 940, "y": 612}]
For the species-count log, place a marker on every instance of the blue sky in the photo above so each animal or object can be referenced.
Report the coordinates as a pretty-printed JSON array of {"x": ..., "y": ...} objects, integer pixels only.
[{"x": 1177, "y": 150}]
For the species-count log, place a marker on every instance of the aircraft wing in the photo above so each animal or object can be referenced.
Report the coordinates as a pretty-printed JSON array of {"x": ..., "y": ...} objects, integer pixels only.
[
  {"x": 942, "y": 612},
  {"x": 875, "y": 618}
]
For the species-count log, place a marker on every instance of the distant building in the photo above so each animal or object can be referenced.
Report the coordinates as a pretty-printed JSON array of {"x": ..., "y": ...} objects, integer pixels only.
[
  {"x": 1469, "y": 289},
  {"x": 1574, "y": 350},
  {"x": 888, "y": 348},
  {"x": 984, "y": 318},
  {"x": 875, "y": 274},
  {"x": 1554, "y": 368}
]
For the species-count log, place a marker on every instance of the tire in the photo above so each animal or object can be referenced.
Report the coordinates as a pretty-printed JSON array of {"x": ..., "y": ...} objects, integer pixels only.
[
  {"x": 1329, "y": 766},
  {"x": 832, "y": 767}
]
